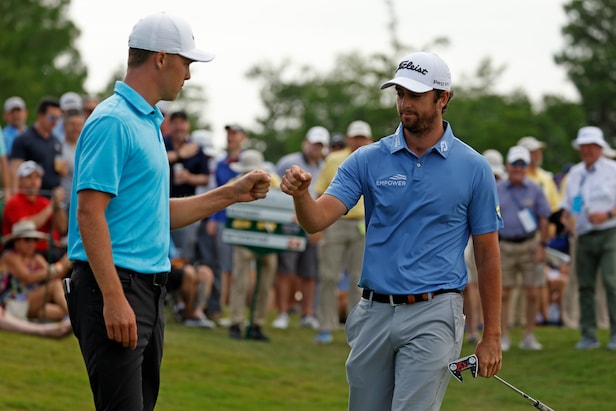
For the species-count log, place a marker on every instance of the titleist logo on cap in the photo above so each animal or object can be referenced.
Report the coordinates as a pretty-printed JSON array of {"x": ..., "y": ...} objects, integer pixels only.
[{"x": 409, "y": 65}]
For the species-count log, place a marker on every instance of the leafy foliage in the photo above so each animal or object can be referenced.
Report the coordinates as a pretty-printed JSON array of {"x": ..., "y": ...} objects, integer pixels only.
[
  {"x": 297, "y": 100},
  {"x": 37, "y": 44},
  {"x": 589, "y": 57}
]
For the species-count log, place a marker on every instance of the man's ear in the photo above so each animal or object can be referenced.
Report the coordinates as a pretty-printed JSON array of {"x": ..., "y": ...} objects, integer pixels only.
[{"x": 159, "y": 59}]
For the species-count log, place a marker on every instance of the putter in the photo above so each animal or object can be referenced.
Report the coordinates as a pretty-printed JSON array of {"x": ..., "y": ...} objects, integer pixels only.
[{"x": 471, "y": 363}]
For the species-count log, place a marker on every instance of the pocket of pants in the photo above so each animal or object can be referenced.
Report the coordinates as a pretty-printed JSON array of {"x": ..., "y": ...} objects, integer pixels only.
[
  {"x": 457, "y": 312},
  {"x": 354, "y": 320}
]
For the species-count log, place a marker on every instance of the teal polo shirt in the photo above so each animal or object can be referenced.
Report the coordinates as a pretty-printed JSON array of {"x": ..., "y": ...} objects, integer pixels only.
[
  {"x": 419, "y": 211},
  {"x": 121, "y": 152}
]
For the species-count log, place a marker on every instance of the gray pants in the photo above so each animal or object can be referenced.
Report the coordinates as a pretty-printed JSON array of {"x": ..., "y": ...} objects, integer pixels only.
[{"x": 399, "y": 354}]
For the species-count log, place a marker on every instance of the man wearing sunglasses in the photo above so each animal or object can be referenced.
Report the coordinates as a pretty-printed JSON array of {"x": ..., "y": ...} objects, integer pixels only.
[
  {"x": 525, "y": 211},
  {"x": 39, "y": 144}
]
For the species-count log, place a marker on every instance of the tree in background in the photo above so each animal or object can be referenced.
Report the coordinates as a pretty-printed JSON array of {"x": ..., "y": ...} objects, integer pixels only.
[
  {"x": 296, "y": 99},
  {"x": 39, "y": 57},
  {"x": 486, "y": 119},
  {"x": 589, "y": 57}
]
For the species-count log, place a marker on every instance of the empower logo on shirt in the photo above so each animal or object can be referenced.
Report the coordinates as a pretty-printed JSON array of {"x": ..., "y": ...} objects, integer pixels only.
[{"x": 397, "y": 180}]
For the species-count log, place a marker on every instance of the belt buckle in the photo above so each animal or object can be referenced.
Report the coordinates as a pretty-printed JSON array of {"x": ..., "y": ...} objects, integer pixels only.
[{"x": 163, "y": 282}]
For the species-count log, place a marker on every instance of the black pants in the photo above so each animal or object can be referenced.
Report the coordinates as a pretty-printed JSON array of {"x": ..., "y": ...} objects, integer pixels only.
[{"x": 120, "y": 378}]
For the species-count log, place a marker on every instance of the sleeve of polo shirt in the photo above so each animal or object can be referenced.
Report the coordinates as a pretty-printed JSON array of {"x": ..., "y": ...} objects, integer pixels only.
[
  {"x": 484, "y": 208},
  {"x": 102, "y": 154},
  {"x": 543, "y": 207}
]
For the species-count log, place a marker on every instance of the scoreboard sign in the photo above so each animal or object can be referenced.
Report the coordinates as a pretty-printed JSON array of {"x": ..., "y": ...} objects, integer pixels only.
[{"x": 265, "y": 225}]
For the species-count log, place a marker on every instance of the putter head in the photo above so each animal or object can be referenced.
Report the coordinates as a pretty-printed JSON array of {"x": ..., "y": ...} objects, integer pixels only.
[{"x": 467, "y": 363}]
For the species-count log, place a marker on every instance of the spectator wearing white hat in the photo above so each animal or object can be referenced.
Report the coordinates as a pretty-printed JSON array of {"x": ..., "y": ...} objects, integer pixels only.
[
  {"x": 497, "y": 163},
  {"x": 70, "y": 103},
  {"x": 301, "y": 267},
  {"x": 590, "y": 200},
  {"x": 525, "y": 212},
  {"x": 236, "y": 140},
  {"x": 73, "y": 124},
  {"x": 15, "y": 115},
  {"x": 345, "y": 238},
  {"x": 545, "y": 179}
]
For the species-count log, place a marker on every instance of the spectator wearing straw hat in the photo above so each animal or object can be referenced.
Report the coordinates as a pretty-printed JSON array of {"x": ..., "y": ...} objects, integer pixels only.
[{"x": 30, "y": 278}]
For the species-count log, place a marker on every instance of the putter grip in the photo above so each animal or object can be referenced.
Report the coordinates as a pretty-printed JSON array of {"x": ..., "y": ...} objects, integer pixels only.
[{"x": 541, "y": 406}]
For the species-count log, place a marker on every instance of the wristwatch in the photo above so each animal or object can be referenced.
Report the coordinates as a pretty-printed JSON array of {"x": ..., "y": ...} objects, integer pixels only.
[{"x": 610, "y": 215}]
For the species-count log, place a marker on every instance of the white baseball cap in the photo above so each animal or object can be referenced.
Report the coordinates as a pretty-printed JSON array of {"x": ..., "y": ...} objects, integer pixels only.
[
  {"x": 421, "y": 72},
  {"x": 495, "y": 158},
  {"x": 318, "y": 134},
  {"x": 359, "y": 128},
  {"x": 516, "y": 153},
  {"x": 28, "y": 167},
  {"x": 589, "y": 135},
  {"x": 531, "y": 143},
  {"x": 171, "y": 34},
  {"x": 13, "y": 103},
  {"x": 71, "y": 101}
]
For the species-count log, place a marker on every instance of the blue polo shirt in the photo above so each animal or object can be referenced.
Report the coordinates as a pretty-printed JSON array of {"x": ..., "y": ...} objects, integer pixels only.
[
  {"x": 121, "y": 152},
  {"x": 419, "y": 211}
]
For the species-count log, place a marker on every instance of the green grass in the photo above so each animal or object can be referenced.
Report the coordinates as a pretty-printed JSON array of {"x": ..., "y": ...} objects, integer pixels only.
[{"x": 204, "y": 369}]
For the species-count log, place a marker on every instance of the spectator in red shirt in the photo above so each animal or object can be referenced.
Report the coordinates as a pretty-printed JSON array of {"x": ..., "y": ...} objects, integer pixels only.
[{"x": 48, "y": 215}]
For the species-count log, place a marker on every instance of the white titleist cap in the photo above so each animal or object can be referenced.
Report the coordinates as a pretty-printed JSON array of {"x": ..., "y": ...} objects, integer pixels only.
[
  {"x": 163, "y": 32},
  {"x": 421, "y": 72}
]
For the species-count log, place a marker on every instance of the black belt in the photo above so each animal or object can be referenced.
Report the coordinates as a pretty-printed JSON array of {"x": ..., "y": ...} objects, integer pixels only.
[
  {"x": 517, "y": 239},
  {"x": 404, "y": 299},
  {"x": 156, "y": 279}
]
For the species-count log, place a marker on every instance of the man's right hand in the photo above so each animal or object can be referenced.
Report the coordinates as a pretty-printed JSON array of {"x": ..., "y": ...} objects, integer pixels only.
[
  {"x": 120, "y": 321},
  {"x": 295, "y": 181}
]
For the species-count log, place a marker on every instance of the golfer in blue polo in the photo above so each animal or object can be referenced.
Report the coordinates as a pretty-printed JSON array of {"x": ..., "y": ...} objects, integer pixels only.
[{"x": 425, "y": 192}]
